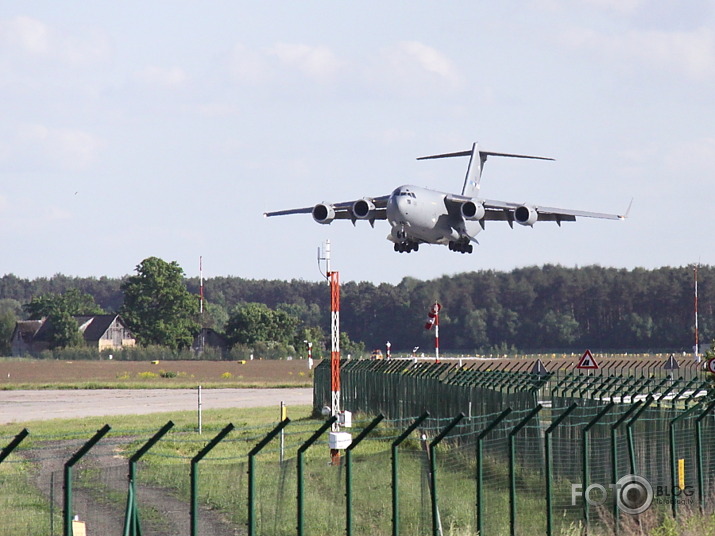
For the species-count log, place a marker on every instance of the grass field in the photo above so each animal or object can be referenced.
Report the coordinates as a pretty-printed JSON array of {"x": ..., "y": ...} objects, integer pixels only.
[
  {"x": 23, "y": 373},
  {"x": 223, "y": 487},
  {"x": 17, "y": 373}
]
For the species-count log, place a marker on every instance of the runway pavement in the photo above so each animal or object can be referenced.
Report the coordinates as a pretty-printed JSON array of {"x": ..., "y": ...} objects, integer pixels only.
[{"x": 23, "y": 406}]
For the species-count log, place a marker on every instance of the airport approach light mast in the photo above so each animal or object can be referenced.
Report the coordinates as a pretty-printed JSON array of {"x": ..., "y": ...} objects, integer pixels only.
[
  {"x": 338, "y": 440},
  {"x": 433, "y": 320}
]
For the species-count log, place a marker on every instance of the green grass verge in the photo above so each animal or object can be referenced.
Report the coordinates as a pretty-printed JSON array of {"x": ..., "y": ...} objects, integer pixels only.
[
  {"x": 149, "y": 384},
  {"x": 223, "y": 482}
]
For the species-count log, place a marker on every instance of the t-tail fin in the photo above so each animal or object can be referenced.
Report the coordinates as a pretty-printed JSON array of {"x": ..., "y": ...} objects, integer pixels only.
[
  {"x": 476, "y": 164},
  {"x": 474, "y": 172}
]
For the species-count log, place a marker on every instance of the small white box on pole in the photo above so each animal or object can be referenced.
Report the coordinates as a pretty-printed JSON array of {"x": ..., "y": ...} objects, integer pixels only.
[
  {"x": 345, "y": 418},
  {"x": 339, "y": 440}
]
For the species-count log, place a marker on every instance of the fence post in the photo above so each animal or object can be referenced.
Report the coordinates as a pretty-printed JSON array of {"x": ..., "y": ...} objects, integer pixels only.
[
  {"x": 646, "y": 384},
  {"x": 251, "y": 472},
  {"x": 512, "y": 471},
  {"x": 69, "y": 464},
  {"x": 348, "y": 472},
  {"x": 704, "y": 385},
  {"x": 312, "y": 439},
  {"x": 436, "y": 529},
  {"x": 480, "y": 468},
  {"x": 673, "y": 463},
  {"x": 614, "y": 457},
  {"x": 547, "y": 458},
  {"x": 131, "y": 518},
  {"x": 699, "y": 454},
  {"x": 682, "y": 391},
  {"x": 13, "y": 444},
  {"x": 629, "y": 432},
  {"x": 602, "y": 386},
  {"x": 660, "y": 384},
  {"x": 195, "y": 476},
  {"x": 395, "y": 489},
  {"x": 668, "y": 390},
  {"x": 586, "y": 466}
]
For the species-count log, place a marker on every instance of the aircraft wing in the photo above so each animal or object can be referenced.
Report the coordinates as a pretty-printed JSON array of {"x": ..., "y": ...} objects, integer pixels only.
[
  {"x": 372, "y": 208},
  {"x": 306, "y": 210},
  {"x": 504, "y": 211}
]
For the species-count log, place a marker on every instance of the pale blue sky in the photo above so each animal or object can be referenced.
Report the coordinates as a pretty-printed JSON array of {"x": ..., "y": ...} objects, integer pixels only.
[{"x": 133, "y": 129}]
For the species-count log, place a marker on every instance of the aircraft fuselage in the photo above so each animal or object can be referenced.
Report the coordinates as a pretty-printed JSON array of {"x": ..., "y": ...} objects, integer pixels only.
[{"x": 419, "y": 215}]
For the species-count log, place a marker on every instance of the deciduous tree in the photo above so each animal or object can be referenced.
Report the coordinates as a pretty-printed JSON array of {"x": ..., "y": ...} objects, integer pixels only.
[{"x": 157, "y": 306}]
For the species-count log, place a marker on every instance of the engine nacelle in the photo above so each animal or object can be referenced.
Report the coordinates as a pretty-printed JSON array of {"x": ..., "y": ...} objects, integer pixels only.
[
  {"x": 472, "y": 211},
  {"x": 526, "y": 215},
  {"x": 362, "y": 209},
  {"x": 323, "y": 213}
]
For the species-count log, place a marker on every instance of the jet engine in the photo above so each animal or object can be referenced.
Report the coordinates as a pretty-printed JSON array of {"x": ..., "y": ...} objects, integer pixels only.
[
  {"x": 323, "y": 213},
  {"x": 362, "y": 209},
  {"x": 472, "y": 211},
  {"x": 526, "y": 215}
]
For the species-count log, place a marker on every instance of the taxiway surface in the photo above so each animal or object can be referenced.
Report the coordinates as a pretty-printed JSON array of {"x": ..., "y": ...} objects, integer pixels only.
[{"x": 24, "y": 406}]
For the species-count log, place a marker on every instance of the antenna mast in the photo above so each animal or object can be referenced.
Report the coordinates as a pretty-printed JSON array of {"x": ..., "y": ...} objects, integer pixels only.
[
  {"x": 202, "y": 334},
  {"x": 697, "y": 343},
  {"x": 201, "y": 285}
]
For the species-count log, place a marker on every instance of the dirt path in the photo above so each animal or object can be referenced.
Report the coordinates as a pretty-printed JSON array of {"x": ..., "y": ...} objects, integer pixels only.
[{"x": 100, "y": 493}]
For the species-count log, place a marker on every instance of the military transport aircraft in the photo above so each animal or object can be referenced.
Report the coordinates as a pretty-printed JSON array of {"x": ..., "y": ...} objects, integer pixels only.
[{"x": 423, "y": 216}]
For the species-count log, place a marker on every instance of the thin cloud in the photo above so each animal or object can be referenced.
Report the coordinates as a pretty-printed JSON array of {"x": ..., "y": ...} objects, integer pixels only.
[
  {"x": 166, "y": 77},
  {"x": 33, "y": 38},
  {"x": 414, "y": 66},
  {"x": 625, "y": 7},
  {"x": 691, "y": 53},
  {"x": 68, "y": 148},
  {"x": 692, "y": 160},
  {"x": 247, "y": 66},
  {"x": 313, "y": 61},
  {"x": 430, "y": 60},
  {"x": 26, "y": 34}
]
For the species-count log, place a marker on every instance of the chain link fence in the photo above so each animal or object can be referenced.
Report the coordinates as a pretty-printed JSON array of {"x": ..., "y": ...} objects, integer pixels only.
[{"x": 507, "y": 453}]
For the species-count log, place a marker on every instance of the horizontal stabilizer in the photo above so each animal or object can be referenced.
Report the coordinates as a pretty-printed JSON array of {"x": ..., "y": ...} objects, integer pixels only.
[{"x": 483, "y": 154}]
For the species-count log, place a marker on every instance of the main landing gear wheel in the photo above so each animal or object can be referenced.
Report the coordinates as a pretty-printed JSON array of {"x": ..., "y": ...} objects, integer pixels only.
[
  {"x": 407, "y": 246},
  {"x": 461, "y": 246}
]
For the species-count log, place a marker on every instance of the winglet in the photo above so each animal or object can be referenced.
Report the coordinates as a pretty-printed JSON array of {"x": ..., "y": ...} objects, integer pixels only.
[{"x": 628, "y": 210}]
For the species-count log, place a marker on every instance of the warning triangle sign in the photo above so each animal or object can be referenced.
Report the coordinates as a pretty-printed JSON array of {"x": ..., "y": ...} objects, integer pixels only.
[
  {"x": 587, "y": 361},
  {"x": 671, "y": 363},
  {"x": 539, "y": 368}
]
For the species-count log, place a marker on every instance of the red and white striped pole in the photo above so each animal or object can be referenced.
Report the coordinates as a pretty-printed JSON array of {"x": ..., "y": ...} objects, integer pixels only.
[
  {"x": 335, "y": 345},
  {"x": 433, "y": 320},
  {"x": 436, "y": 336},
  {"x": 696, "y": 349}
]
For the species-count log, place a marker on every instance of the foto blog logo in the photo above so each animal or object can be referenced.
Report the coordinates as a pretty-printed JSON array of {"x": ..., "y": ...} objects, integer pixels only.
[{"x": 633, "y": 494}]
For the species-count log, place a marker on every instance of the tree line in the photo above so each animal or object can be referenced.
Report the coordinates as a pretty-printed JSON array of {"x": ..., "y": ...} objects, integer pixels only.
[{"x": 527, "y": 309}]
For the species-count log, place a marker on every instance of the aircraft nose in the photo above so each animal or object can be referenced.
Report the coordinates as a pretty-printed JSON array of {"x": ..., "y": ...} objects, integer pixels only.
[{"x": 402, "y": 204}]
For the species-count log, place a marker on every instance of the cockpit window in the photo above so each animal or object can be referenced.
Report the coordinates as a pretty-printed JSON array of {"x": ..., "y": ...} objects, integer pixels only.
[{"x": 404, "y": 193}]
